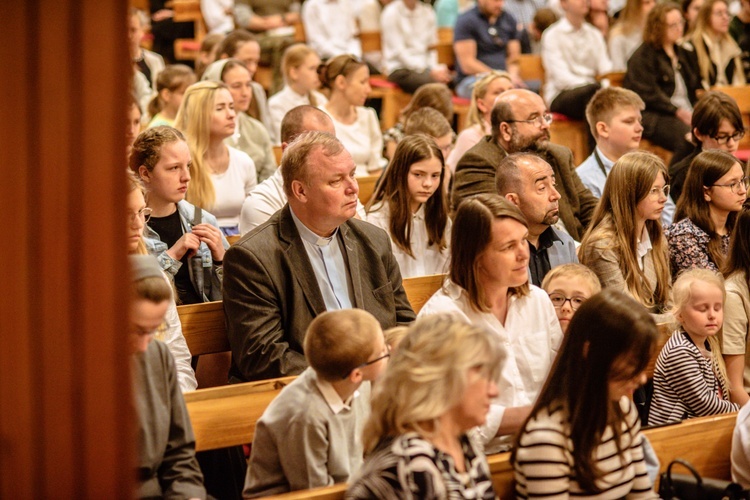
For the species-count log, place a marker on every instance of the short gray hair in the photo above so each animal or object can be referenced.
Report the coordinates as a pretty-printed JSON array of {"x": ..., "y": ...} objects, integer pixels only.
[{"x": 294, "y": 163}]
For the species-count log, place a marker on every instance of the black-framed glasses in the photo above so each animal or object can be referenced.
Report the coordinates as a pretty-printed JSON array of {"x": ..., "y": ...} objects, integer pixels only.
[
  {"x": 559, "y": 300},
  {"x": 539, "y": 121},
  {"x": 144, "y": 213},
  {"x": 368, "y": 363},
  {"x": 724, "y": 138},
  {"x": 656, "y": 192},
  {"x": 734, "y": 186}
]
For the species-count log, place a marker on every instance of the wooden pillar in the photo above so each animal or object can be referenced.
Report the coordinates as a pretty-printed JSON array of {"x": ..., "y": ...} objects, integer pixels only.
[{"x": 65, "y": 411}]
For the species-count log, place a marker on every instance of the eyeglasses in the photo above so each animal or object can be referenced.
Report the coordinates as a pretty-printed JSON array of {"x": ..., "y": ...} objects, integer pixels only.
[
  {"x": 734, "y": 186},
  {"x": 539, "y": 121},
  {"x": 678, "y": 24},
  {"x": 559, "y": 300},
  {"x": 655, "y": 193},
  {"x": 724, "y": 138},
  {"x": 368, "y": 363},
  {"x": 144, "y": 213},
  {"x": 721, "y": 13}
]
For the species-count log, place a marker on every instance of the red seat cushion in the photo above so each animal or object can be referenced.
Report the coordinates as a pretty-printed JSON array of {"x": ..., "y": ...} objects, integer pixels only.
[
  {"x": 460, "y": 101},
  {"x": 380, "y": 82},
  {"x": 190, "y": 45},
  {"x": 742, "y": 154},
  {"x": 557, "y": 117}
]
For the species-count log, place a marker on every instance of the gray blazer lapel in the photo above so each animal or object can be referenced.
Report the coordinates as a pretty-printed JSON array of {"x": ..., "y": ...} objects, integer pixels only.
[{"x": 299, "y": 261}]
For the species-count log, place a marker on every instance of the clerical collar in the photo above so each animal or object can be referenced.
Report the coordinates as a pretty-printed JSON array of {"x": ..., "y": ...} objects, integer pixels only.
[{"x": 309, "y": 236}]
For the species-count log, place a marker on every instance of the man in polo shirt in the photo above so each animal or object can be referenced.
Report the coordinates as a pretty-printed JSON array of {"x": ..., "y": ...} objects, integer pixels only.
[
  {"x": 527, "y": 181},
  {"x": 485, "y": 38}
]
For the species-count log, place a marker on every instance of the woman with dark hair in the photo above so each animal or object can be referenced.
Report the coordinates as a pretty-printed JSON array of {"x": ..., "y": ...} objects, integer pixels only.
[
  {"x": 716, "y": 124},
  {"x": 666, "y": 77},
  {"x": 411, "y": 207},
  {"x": 357, "y": 126},
  {"x": 489, "y": 286},
  {"x": 583, "y": 436},
  {"x": 736, "y": 330},
  {"x": 715, "y": 188}
]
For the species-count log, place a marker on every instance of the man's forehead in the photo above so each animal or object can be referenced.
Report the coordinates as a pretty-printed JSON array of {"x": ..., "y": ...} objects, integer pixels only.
[
  {"x": 528, "y": 104},
  {"x": 327, "y": 164}
]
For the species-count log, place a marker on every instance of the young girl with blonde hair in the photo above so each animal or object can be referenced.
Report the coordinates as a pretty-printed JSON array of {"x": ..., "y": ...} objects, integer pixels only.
[
  {"x": 690, "y": 379},
  {"x": 222, "y": 177},
  {"x": 301, "y": 83}
]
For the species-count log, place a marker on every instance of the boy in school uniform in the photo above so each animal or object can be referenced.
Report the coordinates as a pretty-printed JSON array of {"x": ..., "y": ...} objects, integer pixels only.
[
  {"x": 614, "y": 116},
  {"x": 311, "y": 434}
]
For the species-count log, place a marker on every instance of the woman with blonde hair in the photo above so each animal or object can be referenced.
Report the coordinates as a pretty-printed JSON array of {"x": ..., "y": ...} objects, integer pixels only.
[
  {"x": 357, "y": 127},
  {"x": 488, "y": 286},
  {"x": 719, "y": 56},
  {"x": 483, "y": 98},
  {"x": 438, "y": 386},
  {"x": 222, "y": 176},
  {"x": 250, "y": 136},
  {"x": 690, "y": 378},
  {"x": 627, "y": 33},
  {"x": 625, "y": 245},
  {"x": 301, "y": 83}
]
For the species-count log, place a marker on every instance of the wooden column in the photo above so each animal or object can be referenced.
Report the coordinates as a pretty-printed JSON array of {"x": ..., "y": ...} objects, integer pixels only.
[{"x": 65, "y": 412}]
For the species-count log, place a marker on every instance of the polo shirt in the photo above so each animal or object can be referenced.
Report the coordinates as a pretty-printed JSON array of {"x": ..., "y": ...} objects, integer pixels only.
[{"x": 491, "y": 49}]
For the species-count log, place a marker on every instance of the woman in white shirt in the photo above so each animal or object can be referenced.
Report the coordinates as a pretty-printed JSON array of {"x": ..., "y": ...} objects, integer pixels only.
[
  {"x": 489, "y": 286},
  {"x": 357, "y": 127},
  {"x": 411, "y": 207},
  {"x": 221, "y": 176}
]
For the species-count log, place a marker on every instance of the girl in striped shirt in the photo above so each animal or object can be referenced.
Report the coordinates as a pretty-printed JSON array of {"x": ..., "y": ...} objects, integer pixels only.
[
  {"x": 583, "y": 437},
  {"x": 690, "y": 379}
]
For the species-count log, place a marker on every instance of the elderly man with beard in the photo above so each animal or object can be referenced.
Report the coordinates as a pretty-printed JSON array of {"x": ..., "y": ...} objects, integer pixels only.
[
  {"x": 520, "y": 123},
  {"x": 527, "y": 181}
]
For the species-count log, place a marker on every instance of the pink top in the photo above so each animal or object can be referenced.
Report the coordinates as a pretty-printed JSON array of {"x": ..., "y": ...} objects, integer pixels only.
[{"x": 466, "y": 140}]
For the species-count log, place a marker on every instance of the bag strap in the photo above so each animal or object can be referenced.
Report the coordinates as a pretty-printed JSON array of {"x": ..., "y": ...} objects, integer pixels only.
[{"x": 688, "y": 466}]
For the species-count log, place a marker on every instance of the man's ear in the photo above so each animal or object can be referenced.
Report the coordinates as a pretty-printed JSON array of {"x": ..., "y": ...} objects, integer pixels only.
[
  {"x": 299, "y": 191},
  {"x": 144, "y": 174},
  {"x": 513, "y": 198},
  {"x": 506, "y": 131}
]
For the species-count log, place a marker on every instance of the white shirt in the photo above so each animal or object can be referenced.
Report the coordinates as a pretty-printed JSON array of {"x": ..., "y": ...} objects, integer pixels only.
[
  {"x": 363, "y": 139},
  {"x": 643, "y": 246},
  {"x": 218, "y": 21},
  {"x": 286, "y": 99},
  {"x": 531, "y": 337},
  {"x": 741, "y": 448},
  {"x": 331, "y": 27},
  {"x": 266, "y": 199},
  {"x": 408, "y": 36},
  {"x": 427, "y": 260},
  {"x": 622, "y": 46},
  {"x": 572, "y": 57},
  {"x": 232, "y": 186}
]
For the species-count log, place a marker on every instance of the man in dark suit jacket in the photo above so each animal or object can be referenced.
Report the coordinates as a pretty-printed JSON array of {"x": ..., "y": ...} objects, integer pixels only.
[
  {"x": 311, "y": 256},
  {"x": 520, "y": 123}
]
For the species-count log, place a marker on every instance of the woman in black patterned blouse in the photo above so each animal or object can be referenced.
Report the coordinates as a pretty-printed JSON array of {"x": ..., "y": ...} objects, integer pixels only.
[{"x": 438, "y": 385}]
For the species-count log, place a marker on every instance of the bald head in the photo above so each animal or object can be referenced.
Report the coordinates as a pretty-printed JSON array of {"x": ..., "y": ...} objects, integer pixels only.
[
  {"x": 518, "y": 121},
  {"x": 304, "y": 118}
]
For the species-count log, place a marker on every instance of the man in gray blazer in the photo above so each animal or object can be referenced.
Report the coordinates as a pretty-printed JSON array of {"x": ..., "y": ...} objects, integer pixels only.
[
  {"x": 309, "y": 257},
  {"x": 527, "y": 181}
]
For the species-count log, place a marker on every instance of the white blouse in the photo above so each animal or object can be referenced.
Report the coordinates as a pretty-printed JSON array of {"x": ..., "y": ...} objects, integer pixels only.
[
  {"x": 232, "y": 186},
  {"x": 286, "y": 99},
  {"x": 427, "y": 259},
  {"x": 363, "y": 139}
]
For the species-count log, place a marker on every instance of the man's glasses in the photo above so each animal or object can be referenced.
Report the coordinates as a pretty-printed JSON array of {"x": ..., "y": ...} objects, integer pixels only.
[
  {"x": 144, "y": 213},
  {"x": 724, "y": 138},
  {"x": 539, "y": 121},
  {"x": 735, "y": 186},
  {"x": 559, "y": 300}
]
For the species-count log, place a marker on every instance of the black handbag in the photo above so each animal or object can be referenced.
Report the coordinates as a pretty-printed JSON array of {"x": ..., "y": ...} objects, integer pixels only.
[{"x": 693, "y": 487}]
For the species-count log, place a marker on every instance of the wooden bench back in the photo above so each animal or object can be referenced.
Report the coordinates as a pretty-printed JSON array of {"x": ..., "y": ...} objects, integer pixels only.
[
  {"x": 419, "y": 290},
  {"x": 367, "y": 187},
  {"x": 704, "y": 442}
]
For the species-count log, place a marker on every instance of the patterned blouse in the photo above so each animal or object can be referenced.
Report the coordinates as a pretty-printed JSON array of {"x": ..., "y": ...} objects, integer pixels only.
[
  {"x": 409, "y": 467},
  {"x": 688, "y": 247}
]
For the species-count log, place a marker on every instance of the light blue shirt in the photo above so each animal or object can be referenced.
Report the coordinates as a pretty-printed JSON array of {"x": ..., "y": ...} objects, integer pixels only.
[
  {"x": 593, "y": 178},
  {"x": 329, "y": 265}
]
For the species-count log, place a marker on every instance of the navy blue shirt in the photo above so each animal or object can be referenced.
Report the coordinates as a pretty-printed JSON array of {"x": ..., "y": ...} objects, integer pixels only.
[{"x": 492, "y": 39}]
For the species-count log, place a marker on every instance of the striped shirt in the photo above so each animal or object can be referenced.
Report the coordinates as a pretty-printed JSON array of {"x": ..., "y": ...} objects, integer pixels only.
[
  {"x": 685, "y": 383},
  {"x": 544, "y": 464}
]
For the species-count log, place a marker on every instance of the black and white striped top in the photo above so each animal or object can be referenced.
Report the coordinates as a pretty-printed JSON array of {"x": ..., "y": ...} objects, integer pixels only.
[
  {"x": 544, "y": 466},
  {"x": 685, "y": 383}
]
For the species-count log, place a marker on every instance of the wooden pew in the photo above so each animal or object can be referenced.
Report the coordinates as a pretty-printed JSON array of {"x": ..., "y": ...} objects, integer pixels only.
[
  {"x": 705, "y": 442},
  {"x": 367, "y": 187},
  {"x": 226, "y": 416},
  {"x": 189, "y": 11},
  {"x": 419, "y": 290}
]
